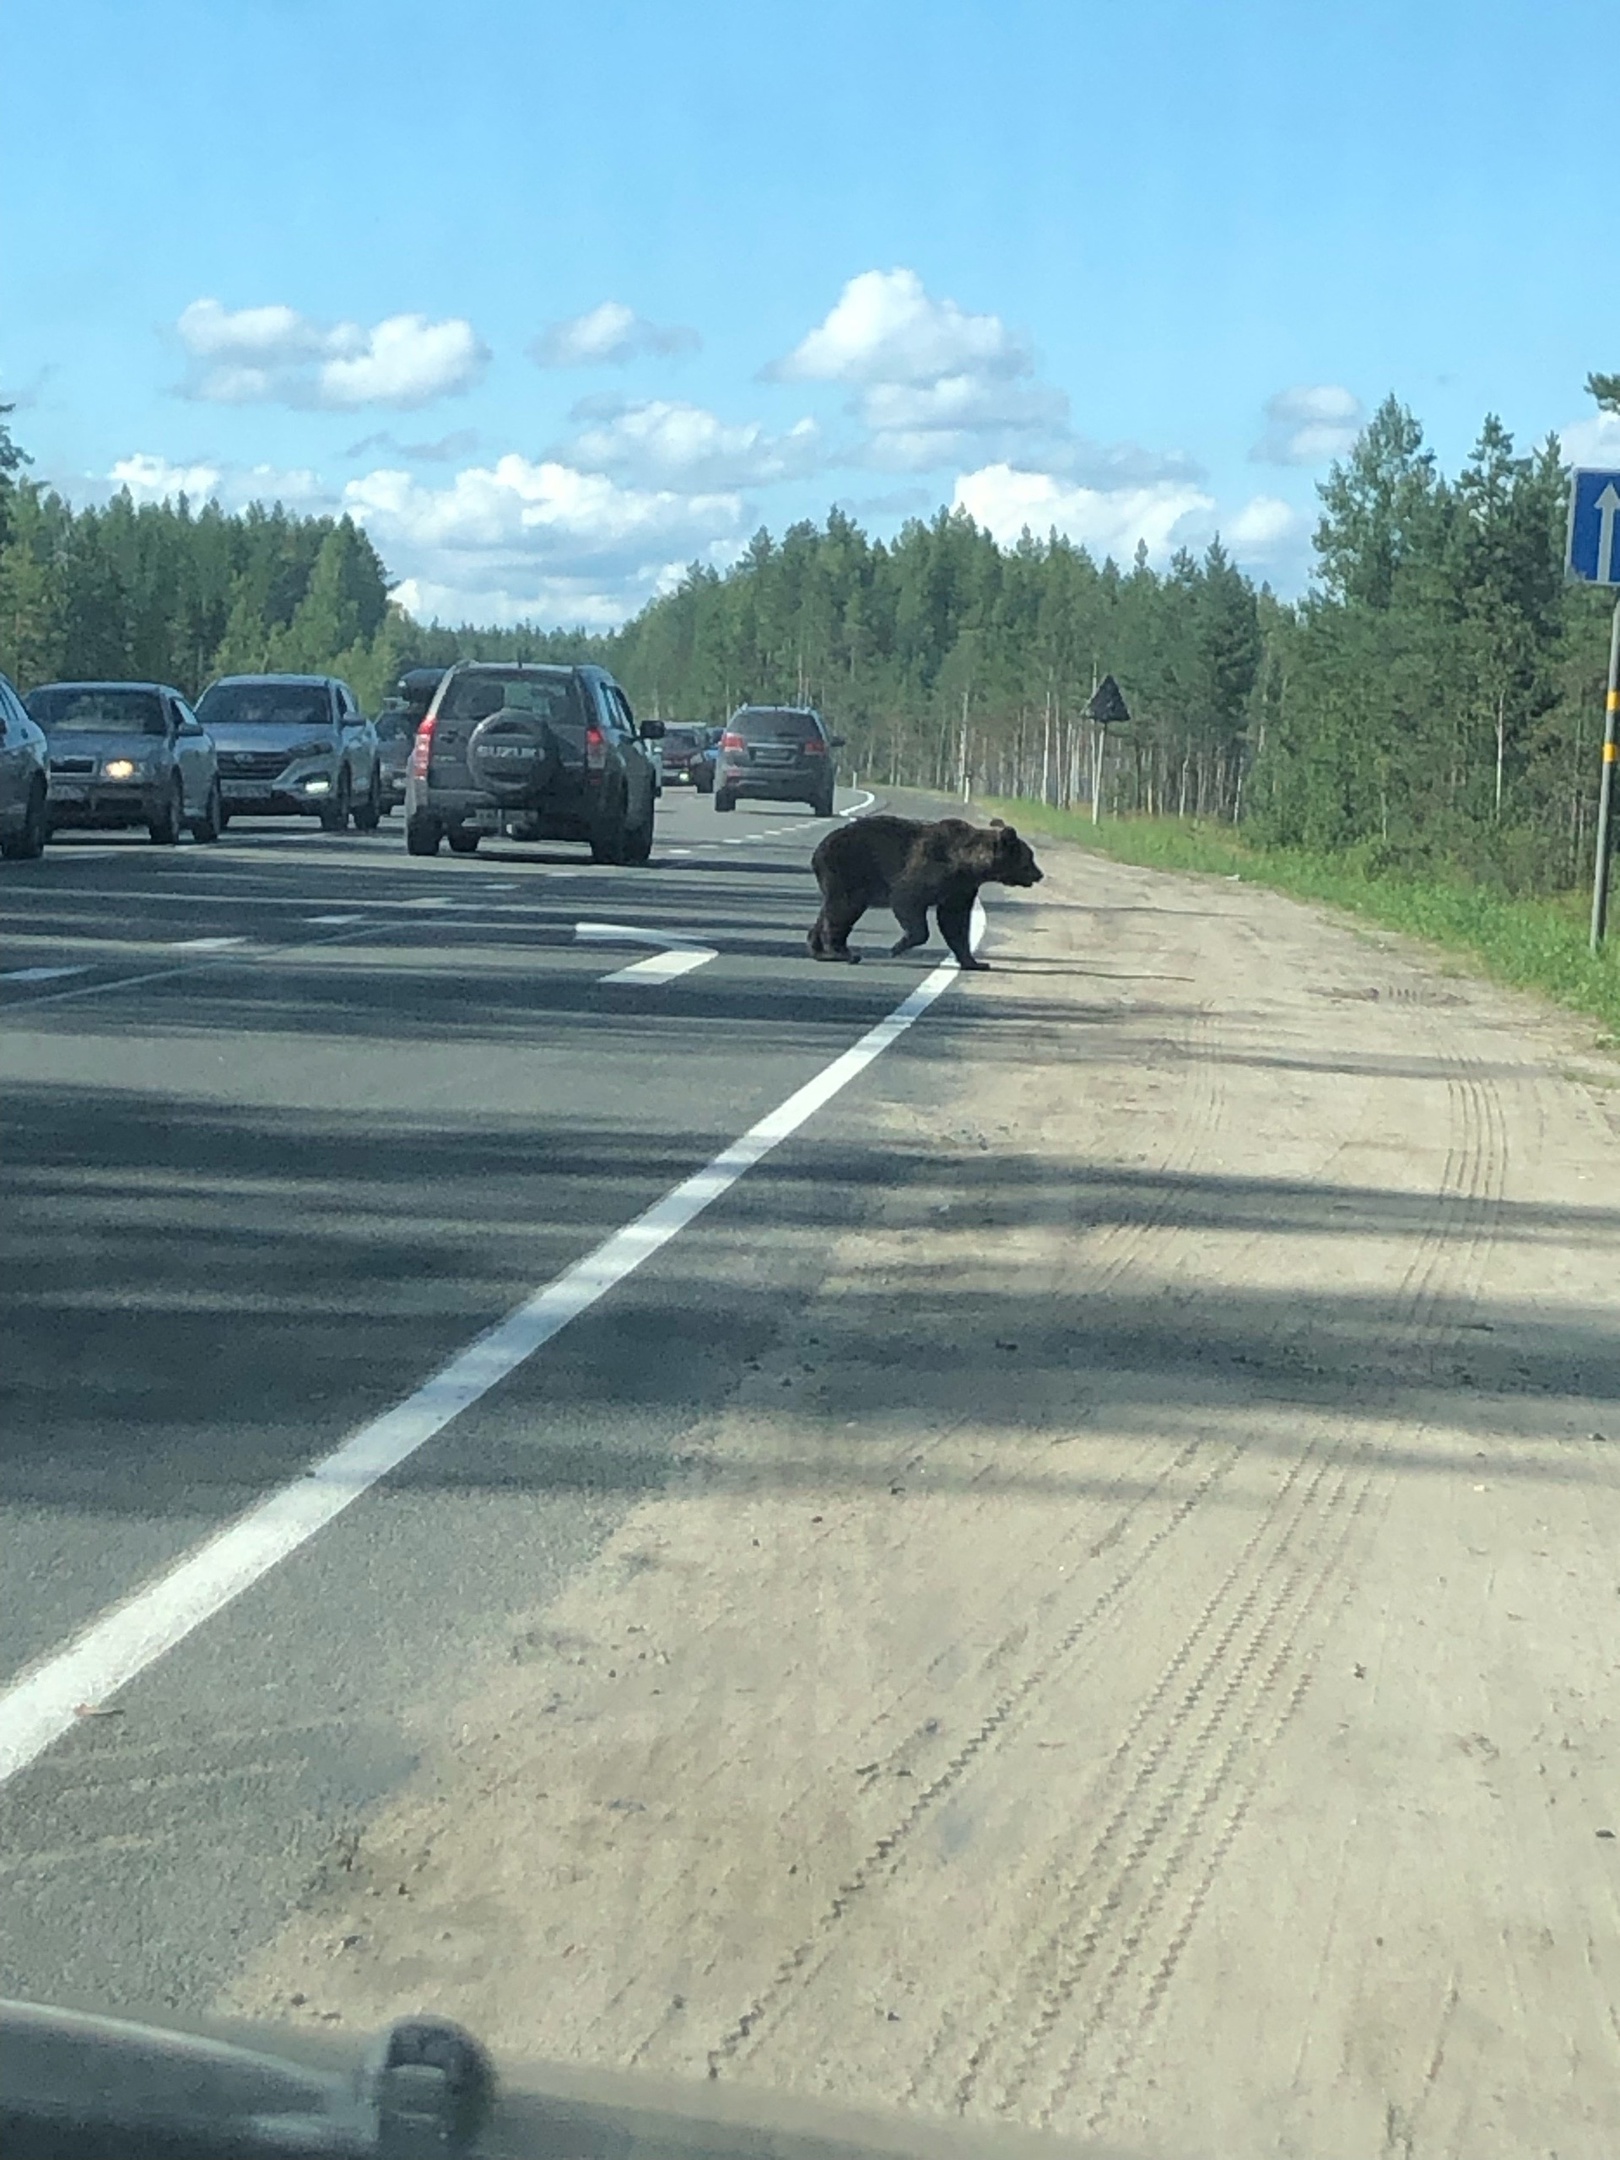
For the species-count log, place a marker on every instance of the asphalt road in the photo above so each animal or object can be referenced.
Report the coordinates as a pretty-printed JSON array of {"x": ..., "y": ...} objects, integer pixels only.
[{"x": 287, "y": 1122}]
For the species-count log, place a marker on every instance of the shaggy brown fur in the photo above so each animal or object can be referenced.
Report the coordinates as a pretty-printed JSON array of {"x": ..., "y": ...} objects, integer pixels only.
[{"x": 914, "y": 866}]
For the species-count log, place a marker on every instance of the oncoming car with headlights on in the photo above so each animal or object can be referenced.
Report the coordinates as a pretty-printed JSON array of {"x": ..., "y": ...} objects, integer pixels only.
[
  {"x": 294, "y": 746},
  {"x": 128, "y": 754}
]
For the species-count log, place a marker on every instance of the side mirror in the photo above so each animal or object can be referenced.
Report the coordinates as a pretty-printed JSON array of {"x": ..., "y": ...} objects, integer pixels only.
[
  {"x": 836, "y": 742},
  {"x": 652, "y": 731}
]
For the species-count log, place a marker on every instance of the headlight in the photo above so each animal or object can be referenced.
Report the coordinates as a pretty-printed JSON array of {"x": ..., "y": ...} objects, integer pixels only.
[
  {"x": 120, "y": 768},
  {"x": 316, "y": 787}
]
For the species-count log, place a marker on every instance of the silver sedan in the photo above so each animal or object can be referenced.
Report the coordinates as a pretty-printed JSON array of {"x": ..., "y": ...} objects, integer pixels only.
[{"x": 128, "y": 754}]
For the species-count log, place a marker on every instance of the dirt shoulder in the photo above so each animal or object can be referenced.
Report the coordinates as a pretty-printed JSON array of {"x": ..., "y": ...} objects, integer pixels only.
[{"x": 1143, "y": 1663}]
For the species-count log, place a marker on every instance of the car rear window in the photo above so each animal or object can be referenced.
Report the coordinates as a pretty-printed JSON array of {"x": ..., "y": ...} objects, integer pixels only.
[
  {"x": 764, "y": 725},
  {"x": 264, "y": 705},
  {"x": 391, "y": 726},
  {"x": 682, "y": 738},
  {"x": 471, "y": 698},
  {"x": 66, "y": 710}
]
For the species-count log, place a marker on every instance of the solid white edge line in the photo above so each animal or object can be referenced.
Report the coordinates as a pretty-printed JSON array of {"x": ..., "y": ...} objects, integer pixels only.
[{"x": 42, "y": 1705}]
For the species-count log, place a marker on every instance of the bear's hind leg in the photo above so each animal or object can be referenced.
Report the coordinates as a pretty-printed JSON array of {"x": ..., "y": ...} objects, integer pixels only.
[{"x": 834, "y": 924}]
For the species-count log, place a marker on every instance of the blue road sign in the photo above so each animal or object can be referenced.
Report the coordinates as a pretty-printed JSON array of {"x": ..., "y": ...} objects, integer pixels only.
[{"x": 1593, "y": 552}]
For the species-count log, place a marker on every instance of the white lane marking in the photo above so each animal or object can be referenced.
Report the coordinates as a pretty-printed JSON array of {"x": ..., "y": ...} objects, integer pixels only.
[
  {"x": 732, "y": 843},
  {"x": 677, "y": 851},
  {"x": 205, "y": 944},
  {"x": 612, "y": 933},
  {"x": 677, "y": 955},
  {"x": 663, "y": 967},
  {"x": 42, "y": 974},
  {"x": 854, "y": 809},
  {"x": 335, "y": 921},
  {"x": 113, "y": 1650}
]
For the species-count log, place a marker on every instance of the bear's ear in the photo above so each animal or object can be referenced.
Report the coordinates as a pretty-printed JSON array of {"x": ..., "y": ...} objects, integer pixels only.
[
  {"x": 995, "y": 824},
  {"x": 1009, "y": 833}
]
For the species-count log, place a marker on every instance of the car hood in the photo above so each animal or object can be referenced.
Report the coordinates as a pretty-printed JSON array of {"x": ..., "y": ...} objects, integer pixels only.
[
  {"x": 284, "y": 2093},
  {"x": 268, "y": 734},
  {"x": 102, "y": 744}
]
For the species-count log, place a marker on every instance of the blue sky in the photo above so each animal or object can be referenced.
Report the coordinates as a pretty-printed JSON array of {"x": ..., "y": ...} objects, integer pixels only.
[{"x": 557, "y": 299}]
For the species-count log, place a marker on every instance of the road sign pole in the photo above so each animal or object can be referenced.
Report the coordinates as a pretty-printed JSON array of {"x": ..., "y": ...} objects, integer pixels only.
[{"x": 1611, "y": 753}]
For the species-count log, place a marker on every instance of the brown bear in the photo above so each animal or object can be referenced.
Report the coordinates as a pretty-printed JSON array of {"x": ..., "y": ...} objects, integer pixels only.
[{"x": 914, "y": 866}]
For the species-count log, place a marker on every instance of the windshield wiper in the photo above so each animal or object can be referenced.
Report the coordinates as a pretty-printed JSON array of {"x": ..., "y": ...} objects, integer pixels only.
[{"x": 90, "y": 2088}]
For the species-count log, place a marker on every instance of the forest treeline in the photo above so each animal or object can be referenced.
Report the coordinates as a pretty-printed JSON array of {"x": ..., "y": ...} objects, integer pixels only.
[{"x": 1434, "y": 702}]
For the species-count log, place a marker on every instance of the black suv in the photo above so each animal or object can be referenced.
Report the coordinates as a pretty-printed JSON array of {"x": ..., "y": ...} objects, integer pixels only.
[
  {"x": 776, "y": 753},
  {"x": 537, "y": 753}
]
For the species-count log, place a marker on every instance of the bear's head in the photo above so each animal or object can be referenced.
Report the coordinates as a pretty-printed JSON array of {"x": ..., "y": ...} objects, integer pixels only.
[{"x": 1013, "y": 862}]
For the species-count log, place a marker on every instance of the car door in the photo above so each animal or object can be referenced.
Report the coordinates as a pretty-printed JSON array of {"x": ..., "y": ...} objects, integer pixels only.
[
  {"x": 16, "y": 759},
  {"x": 641, "y": 786},
  {"x": 192, "y": 755},
  {"x": 358, "y": 742}
]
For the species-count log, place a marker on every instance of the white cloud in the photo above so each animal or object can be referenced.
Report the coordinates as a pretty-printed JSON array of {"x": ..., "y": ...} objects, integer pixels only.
[
  {"x": 1593, "y": 441},
  {"x": 885, "y": 328},
  {"x": 539, "y": 541},
  {"x": 1265, "y": 526},
  {"x": 1309, "y": 425},
  {"x": 608, "y": 334},
  {"x": 1109, "y": 521},
  {"x": 919, "y": 427},
  {"x": 274, "y": 355},
  {"x": 157, "y": 479},
  {"x": 936, "y": 389},
  {"x": 662, "y": 444}
]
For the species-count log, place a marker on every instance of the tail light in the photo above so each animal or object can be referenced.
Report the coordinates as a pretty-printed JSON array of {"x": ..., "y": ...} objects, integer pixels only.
[
  {"x": 815, "y": 747},
  {"x": 420, "y": 749},
  {"x": 729, "y": 741},
  {"x": 595, "y": 748}
]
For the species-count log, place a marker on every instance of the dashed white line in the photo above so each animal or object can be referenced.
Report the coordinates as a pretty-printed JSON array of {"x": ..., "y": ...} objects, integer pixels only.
[
  {"x": 114, "y": 1650},
  {"x": 664, "y": 966},
  {"x": 335, "y": 922},
  {"x": 205, "y": 944},
  {"x": 42, "y": 974}
]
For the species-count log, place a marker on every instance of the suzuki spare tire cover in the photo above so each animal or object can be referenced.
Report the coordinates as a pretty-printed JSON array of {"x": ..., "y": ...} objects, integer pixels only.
[{"x": 513, "y": 755}]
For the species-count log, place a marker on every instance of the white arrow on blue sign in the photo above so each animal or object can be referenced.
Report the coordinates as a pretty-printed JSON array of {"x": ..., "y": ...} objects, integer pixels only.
[{"x": 1593, "y": 552}]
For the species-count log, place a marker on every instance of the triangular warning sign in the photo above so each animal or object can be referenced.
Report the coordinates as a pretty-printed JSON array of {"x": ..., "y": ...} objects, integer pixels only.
[{"x": 1107, "y": 705}]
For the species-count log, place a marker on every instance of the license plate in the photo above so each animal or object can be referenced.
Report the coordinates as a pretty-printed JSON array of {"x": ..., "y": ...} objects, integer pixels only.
[
  {"x": 241, "y": 790},
  {"x": 487, "y": 820},
  {"x": 70, "y": 790},
  {"x": 773, "y": 757}
]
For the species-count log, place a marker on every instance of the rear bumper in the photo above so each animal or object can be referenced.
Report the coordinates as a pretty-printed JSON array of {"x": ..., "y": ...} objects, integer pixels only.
[
  {"x": 567, "y": 813},
  {"x": 768, "y": 786}
]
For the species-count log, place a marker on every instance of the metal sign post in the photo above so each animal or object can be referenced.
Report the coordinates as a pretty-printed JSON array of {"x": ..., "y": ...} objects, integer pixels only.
[
  {"x": 1105, "y": 708},
  {"x": 1592, "y": 557},
  {"x": 1611, "y": 752}
]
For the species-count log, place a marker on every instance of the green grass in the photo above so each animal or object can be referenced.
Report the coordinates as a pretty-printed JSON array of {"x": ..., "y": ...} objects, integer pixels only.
[{"x": 1533, "y": 944}]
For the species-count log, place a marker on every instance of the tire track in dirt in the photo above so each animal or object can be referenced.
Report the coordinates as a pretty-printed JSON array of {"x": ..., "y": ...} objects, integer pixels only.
[{"x": 1114, "y": 1899}]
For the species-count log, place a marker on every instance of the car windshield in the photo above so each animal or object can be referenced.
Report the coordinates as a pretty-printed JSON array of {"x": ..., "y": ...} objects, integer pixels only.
[
  {"x": 65, "y": 709},
  {"x": 474, "y": 697},
  {"x": 830, "y": 1398},
  {"x": 265, "y": 705}
]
